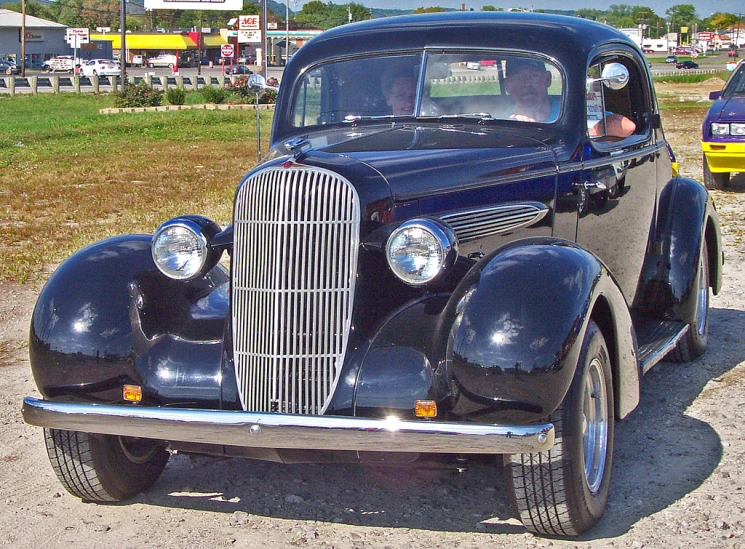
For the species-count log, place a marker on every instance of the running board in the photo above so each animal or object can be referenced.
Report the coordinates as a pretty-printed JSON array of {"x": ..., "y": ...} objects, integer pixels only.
[{"x": 656, "y": 338}]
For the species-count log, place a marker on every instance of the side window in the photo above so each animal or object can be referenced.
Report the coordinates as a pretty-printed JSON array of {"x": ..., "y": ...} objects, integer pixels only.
[
  {"x": 614, "y": 114},
  {"x": 308, "y": 103}
]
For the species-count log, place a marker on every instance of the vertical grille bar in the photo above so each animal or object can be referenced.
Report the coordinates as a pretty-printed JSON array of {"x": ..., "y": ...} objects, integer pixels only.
[{"x": 296, "y": 236}]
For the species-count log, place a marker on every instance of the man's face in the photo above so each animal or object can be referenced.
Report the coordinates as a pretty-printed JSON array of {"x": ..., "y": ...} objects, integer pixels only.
[
  {"x": 402, "y": 95},
  {"x": 528, "y": 85}
]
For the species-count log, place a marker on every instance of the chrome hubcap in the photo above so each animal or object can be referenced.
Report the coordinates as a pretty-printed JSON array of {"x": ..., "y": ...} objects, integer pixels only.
[
  {"x": 594, "y": 425},
  {"x": 702, "y": 304}
]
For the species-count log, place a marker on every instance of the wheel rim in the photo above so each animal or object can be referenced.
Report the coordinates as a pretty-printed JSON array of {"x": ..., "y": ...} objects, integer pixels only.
[
  {"x": 137, "y": 450},
  {"x": 595, "y": 425},
  {"x": 702, "y": 305}
]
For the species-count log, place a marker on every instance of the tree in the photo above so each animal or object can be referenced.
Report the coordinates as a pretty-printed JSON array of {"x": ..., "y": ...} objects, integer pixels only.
[
  {"x": 721, "y": 20},
  {"x": 433, "y": 9},
  {"x": 32, "y": 8},
  {"x": 682, "y": 15},
  {"x": 491, "y": 8}
]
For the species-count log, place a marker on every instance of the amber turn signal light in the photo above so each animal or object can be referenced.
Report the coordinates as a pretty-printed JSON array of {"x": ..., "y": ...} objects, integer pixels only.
[
  {"x": 132, "y": 393},
  {"x": 425, "y": 408}
]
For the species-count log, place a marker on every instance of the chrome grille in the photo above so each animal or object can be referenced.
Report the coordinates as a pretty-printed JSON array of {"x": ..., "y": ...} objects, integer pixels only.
[
  {"x": 296, "y": 236},
  {"x": 472, "y": 224}
]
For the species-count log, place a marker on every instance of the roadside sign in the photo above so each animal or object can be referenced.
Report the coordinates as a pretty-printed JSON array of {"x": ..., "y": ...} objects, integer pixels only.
[
  {"x": 705, "y": 36},
  {"x": 76, "y": 37},
  {"x": 227, "y": 50},
  {"x": 249, "y": 36},
  {"x": 249, "y": 22}
]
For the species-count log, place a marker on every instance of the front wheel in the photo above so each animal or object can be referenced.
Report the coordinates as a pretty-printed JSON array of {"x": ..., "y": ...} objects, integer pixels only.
[
  {"x": 104, "y": 467},
  {"x": 714, "y": 181},
  {"x": 564, "y": 491}
]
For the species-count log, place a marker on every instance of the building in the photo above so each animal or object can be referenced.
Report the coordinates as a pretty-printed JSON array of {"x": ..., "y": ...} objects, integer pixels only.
[{"x": 44, "y": 39}]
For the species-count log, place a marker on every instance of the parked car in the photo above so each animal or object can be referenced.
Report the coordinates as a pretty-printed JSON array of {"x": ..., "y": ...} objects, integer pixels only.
[
  {"x": 427, "y": 286},
  {"x": 683, "y": 50},
  {"x": 238, "y": 69},
  {"x": 671, "y": 59},
  {"x": 686, "y": 65},
  {"x": 100, "y": 67},
  {"x": 733, "y": 53},
  {"x": 138, "y": 60},
  {"x": 61, "y": 63},
  {"x": 9, "y": 68},
  {"x": 164, "y": 60},
  {"x": 723, "y": 131}
]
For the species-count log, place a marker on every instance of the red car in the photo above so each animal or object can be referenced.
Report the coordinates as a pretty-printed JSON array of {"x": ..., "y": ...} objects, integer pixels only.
[{"x": 733, "y": 53}]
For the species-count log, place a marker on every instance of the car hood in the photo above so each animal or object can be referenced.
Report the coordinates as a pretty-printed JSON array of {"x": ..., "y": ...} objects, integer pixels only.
[
  {"x": 728, "y": 109},
  {"x": 419, "y": 159}
]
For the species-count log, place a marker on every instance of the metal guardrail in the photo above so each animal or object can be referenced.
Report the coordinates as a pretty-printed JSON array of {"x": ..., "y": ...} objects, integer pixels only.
[
  {"x": 96, "y": 84},
  {"x": 677, "y": 72}
]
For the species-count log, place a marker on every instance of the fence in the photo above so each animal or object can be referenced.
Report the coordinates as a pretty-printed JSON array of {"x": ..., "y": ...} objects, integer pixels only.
[{"x": 97, "y": 84}]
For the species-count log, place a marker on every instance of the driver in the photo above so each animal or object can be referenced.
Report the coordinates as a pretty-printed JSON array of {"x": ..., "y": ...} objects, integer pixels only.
[{"x": 399, "y": 89}]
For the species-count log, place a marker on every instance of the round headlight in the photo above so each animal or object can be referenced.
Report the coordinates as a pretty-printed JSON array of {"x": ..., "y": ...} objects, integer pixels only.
[
  {"x": 420, "y": 250},
  {"x": 180, "y": 249}
]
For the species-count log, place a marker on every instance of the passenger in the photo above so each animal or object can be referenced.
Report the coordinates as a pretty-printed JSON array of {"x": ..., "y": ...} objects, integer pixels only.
[
  {"x": 399, "y": 89},
  {"x": 527, "y": 82}
]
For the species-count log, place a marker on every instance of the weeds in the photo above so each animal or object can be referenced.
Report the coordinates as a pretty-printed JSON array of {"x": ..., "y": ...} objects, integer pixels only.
[{"x": 69, "y": 176}]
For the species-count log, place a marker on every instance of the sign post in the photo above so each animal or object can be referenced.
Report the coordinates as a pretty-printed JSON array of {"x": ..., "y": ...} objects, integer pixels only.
[
  {"x": 76, "y": 37},
  {"x": 227, "y": 50}
]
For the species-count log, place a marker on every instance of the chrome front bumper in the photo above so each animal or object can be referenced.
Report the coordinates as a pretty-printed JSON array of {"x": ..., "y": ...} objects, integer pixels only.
[{"x": 268, "y": 430}]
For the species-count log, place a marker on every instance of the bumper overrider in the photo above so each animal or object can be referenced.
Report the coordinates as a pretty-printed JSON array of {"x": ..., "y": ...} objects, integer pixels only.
[{"x": 270, "y": 430}]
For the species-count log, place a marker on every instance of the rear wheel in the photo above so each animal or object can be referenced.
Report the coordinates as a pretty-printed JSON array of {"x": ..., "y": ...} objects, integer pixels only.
[
  {"x": 564, "y": 491},
  {"x": 104, "y": 467},
  {"x": 714, "y": 181},
  {"x": 693, "y": 344}
]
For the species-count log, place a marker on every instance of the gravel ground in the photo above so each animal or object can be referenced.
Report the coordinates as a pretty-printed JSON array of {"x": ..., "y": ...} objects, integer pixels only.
[{"x": 678, "y": 478}]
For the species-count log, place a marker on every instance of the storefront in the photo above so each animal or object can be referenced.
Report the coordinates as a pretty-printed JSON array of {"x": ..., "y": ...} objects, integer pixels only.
[
  {"x": 43, "y": 39},
  {"x": 151, "y": 44}
]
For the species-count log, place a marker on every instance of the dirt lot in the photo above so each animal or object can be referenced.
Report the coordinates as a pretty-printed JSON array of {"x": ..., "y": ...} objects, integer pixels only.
[{"x": 678, "y": 479}]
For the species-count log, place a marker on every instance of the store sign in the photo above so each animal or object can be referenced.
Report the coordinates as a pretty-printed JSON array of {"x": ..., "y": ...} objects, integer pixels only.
[
  {"x": 34, "y": 36},
  {"x": 249, "y": 36},
  {"x": 236, "y": 5},
  {"x": 77, "y": 37},
  {"x": 705, "y": 36},
  {"x": 249, "y": 22}
]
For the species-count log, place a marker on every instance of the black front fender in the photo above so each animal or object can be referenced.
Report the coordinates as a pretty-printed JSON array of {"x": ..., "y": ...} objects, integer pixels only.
[
  {"x": 522, "y": 314},
  {"x": 107, "y": 317}
]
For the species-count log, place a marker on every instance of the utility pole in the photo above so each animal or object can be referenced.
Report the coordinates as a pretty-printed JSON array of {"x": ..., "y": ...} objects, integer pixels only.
[
  {"x": 199, "y": 45},
  {"x": 23, "y": 38},
  {"x": 264, "y": 51},
  {"x": 123, "y": 49},
  {"x": 287, "y": 31}
]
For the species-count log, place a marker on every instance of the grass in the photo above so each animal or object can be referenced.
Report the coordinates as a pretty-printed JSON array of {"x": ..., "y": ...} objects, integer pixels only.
[{"x": 70, "y": 176}]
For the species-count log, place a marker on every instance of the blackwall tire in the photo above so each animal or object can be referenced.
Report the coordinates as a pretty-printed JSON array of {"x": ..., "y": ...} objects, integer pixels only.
[
  {"x": 564, "y": 491},
  {"x": 714, "y": 181},
  {"x": 102, "y": 467},
  {"x": 695, "y": 341}
]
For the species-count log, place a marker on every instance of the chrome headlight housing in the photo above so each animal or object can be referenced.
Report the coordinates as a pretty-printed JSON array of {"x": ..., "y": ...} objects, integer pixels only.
[
  {"x": 419, "y": 251},
  {"x": 180, "y": 247}
]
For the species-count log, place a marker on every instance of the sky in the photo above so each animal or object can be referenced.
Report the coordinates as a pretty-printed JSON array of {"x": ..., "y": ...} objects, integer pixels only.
[{"x": 704, "y": 8}]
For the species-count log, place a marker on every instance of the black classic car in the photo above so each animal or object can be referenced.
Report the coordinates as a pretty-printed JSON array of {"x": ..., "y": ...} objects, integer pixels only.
[{"x": 431, "y": 263}]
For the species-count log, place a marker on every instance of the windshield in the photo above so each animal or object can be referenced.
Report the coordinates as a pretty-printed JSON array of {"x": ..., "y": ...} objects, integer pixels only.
[
  {"x": 736, "y": 83},
  {"x": 484, "y": 85}
]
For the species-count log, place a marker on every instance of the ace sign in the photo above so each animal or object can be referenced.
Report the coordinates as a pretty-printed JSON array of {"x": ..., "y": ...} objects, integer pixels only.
[{"x": 249, "y": 22}]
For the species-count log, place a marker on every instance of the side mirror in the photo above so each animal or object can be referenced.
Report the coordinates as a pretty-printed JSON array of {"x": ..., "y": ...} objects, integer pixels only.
[
  {"x": 615, "y": 76},
  {"x": 715, "y": 95},
  {"x": 257, "y": 85}
]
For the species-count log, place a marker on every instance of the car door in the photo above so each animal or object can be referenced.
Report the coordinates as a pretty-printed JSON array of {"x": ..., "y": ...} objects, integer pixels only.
[{"x": 618, "y": 187}]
